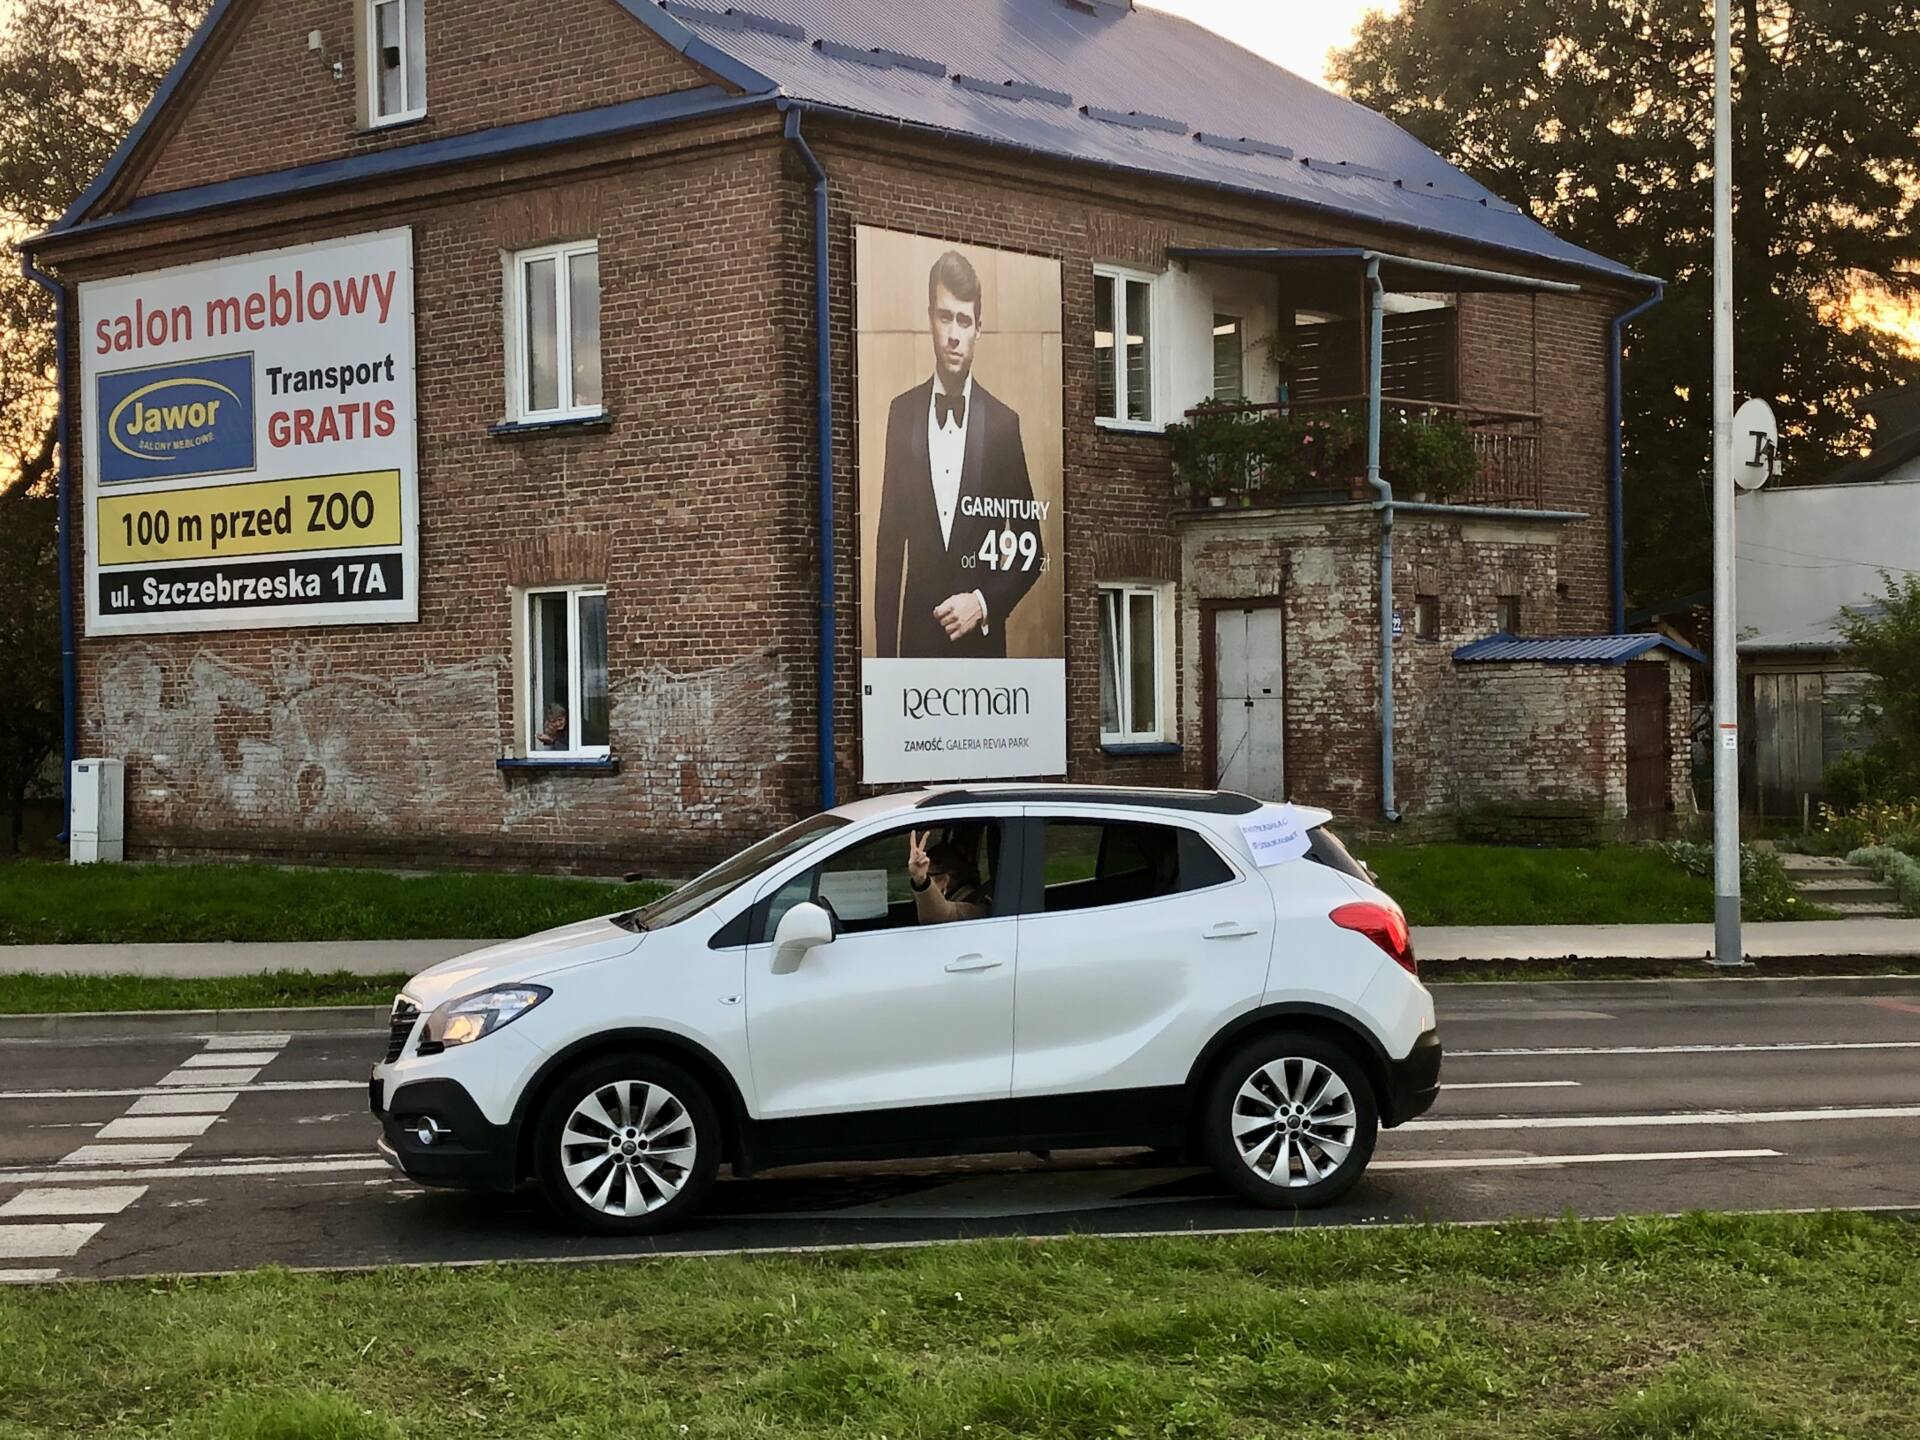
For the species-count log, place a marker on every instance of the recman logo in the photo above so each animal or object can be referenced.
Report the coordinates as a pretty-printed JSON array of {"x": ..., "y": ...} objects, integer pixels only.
[{"x": 161, "y": 422}]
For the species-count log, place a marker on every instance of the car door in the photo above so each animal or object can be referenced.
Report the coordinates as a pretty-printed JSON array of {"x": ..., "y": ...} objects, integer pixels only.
[
  {"x": 895, "y": 1011},
  {"x": 1141, "y": 937}
]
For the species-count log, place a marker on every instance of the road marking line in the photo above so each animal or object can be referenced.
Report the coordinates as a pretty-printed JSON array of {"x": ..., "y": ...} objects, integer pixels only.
[
  {"x": 41, "y": 1242},
  {"x": 88, "y": 1200},
  {"x": 267, "y": 1168},
  {"x": 155, "y": 1127},
  {"x": 1755, "y": 1049},
  {"x": 224, "y": 1079},
  {"x": 1511, "y": 1085},
  {"x": 205, "y": 1081},
  {"x": 192, "y": 1102},
  {"x": 124, "y": 1154},
  {"x": 247, "y": 1042},
  {"x": 1686, "y": 1117},
  {"x": 1509, "y": 1162},
  {"x": 215, "y": 1060}
]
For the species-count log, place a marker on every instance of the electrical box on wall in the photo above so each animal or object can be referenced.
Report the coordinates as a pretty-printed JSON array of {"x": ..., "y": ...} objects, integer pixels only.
[{"x": 97, "y": 827}]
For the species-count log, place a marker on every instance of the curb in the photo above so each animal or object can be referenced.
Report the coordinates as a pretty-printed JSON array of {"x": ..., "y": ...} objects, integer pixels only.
[
  {"x": 108, "y": 1024},
  {"x": 1782, "y": 987}
]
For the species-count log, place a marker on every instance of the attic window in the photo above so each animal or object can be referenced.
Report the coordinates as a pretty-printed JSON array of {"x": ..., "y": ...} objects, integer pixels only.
[{"x": 397, "y": 76}]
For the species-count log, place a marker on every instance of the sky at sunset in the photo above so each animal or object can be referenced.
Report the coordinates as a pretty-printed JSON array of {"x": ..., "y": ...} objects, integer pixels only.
[{"x": 1294, "y": 33}]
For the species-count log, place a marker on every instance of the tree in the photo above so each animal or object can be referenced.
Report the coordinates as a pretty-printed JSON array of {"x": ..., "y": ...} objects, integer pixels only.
[
  {"x": 74, "y": 75},
  {"x": 1596, "y": 115},
  {"x": 1883, "y": 640},
  {"x": 30, "y": 710}
]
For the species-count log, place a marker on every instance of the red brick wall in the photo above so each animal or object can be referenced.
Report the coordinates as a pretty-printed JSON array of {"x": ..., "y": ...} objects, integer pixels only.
[
  {"x": 261, "y": 101},
  {"x": 700, "y": 504}
]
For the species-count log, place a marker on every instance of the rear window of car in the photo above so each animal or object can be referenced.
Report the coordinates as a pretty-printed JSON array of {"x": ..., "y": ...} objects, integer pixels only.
[{"x": 1325, "y": 848}]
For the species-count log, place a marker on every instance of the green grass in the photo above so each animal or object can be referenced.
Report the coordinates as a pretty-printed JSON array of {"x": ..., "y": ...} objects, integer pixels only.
[
  {"x": 43, "y": 904},
  {"x": 67, "y": 994},
  {"x": 1512, "y": 885},
  {"x": 1747, "y": 1328}
]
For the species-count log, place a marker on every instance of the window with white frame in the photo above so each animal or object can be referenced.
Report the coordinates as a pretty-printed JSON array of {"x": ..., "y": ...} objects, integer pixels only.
[
  {"x": 1132, "y": 664},
  {"x": 1123, "y": 342},
  {"x": 566, "y": 671},
  {"x": 397, "y": 60},
  {"x": 1229, "y": 358},
  {"x": 554, "y": 344}
]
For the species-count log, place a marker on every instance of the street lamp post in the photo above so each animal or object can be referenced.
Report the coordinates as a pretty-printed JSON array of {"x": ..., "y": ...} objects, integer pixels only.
[{"x": 1726, "y": 702}]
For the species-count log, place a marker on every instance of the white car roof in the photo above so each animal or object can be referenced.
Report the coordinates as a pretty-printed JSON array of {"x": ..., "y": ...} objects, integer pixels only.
[{"x": 1213, "y": 805}]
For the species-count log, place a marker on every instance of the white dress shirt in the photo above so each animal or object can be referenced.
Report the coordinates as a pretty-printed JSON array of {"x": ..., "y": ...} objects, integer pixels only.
[{"x": 946, "y": 457}]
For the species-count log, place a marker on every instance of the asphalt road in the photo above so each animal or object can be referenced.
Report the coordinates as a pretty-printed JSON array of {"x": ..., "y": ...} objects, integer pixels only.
[{"x": 133, "y": 1157}]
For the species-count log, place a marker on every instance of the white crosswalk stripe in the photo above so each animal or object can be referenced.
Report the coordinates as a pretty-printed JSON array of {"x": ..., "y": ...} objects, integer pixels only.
[
  {"x": 195, "y": 1102},
  {"x": 124, "y": 1154},
  {"x": 155, "y": 1127},
  {"x": 76, "y": 1200},
  {"x": 247, "y": 1042},
  {"x": 219, "y": 1078},
  {"x": 216, "y": 1059},
  {"x": 45, "y": 1242}
]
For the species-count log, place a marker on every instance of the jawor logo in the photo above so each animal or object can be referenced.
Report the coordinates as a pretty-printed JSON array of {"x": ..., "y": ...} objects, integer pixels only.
[
  {"x": 190, "y": 418},
  {"x": 920, "y": 702}
]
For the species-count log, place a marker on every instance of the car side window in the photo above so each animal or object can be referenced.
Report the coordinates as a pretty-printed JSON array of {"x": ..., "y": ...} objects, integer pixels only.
[
  {"x": 870, "y": 884},
  {"x": 1115, "y": 862}
]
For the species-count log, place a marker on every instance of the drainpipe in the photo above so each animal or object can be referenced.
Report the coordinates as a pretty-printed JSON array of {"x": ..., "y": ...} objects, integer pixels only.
[
  {"x": 1616, "y": 490},
  {"x": 823, "y": 385},
  {"x": 70, "y": 729},
  {"x": 1383, "y": 502}
]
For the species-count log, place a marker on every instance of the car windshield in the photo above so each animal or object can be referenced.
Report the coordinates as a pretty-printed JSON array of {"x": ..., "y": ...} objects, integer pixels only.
[{"x": 703, "y": 890}]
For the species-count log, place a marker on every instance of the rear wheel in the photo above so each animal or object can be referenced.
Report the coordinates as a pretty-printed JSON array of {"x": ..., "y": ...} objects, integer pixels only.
[
  {"x": 1289, "y": 1120},
  {"x": 627, "y": 1145}
]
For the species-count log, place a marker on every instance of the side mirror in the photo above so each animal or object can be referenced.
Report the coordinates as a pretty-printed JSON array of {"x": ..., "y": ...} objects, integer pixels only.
[{"x": 802, "y": 928}]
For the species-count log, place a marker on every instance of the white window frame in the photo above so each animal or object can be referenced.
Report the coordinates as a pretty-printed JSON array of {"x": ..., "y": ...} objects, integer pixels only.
[
  {"x": 1238, "y": 320},
  {"x": 1161, "y": 595},
  {"x": 1156, "y": 350},
  {"x": 519, "y": 377},
  {"x": 530, "y": 676},
  {"x": 413, "y": 107}
]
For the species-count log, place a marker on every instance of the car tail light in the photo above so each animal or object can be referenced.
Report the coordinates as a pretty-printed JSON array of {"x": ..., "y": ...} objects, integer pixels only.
[{"x": 1382, "y": 924}]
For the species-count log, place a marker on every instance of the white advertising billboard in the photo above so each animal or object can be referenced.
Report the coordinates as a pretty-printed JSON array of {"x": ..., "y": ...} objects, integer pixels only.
[
  {"x": 963, "y": 669},
  {"x": 249, "y": 442}
]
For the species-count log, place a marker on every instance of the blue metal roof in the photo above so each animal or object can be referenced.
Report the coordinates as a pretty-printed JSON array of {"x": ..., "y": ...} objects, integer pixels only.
[
  {"x": 1136, "y": 91},
  {"x": 1572, "y": 649}
]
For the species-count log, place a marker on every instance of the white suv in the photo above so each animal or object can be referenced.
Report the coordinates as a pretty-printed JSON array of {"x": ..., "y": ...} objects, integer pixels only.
[{"x": 946, "y": 971}]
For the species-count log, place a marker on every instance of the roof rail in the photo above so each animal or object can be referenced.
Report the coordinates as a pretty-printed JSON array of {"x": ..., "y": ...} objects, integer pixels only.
[{"x": 1208, "y": 802}]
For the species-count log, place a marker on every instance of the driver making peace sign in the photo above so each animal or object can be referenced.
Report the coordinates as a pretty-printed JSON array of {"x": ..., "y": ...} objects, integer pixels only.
[{"x": 945, "y": 884}]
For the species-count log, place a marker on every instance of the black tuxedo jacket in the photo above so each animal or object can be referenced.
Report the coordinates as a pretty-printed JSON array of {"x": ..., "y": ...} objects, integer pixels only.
[{"x": 913, "y": 570}]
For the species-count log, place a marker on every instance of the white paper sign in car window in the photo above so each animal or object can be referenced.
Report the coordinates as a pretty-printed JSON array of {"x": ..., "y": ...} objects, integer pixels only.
[
  {"x": 1275, "y": 835},
  {"x": 855, "y": 894}
]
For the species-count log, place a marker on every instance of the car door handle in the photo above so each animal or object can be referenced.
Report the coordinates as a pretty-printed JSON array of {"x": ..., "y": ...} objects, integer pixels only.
[
  {"x": 972, "y": 962},
  {"x": 1230, "y": 930}
]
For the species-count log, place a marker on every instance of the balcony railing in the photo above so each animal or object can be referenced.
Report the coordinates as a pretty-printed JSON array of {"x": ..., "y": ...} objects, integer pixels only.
[{"x": 1315, "y": 450}]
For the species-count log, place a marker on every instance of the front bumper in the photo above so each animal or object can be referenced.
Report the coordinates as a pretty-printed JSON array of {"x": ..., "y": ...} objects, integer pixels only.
[
  {"x": 1413, "y": 1084},
  {"x": 466, "y": 1151}
]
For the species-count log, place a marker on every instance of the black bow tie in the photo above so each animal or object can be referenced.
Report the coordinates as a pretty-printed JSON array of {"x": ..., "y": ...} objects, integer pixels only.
[{"x": 945, "y": 405}]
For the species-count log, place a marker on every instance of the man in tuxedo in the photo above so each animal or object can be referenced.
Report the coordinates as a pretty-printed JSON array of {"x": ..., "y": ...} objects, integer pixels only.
[{"x": 956, "y": 474}]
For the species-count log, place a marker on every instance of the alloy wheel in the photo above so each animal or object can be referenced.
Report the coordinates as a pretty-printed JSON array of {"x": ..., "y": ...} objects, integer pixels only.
[
  {"x": 628, "y": 1147},
  {"x": 1294, "y": 1122}
]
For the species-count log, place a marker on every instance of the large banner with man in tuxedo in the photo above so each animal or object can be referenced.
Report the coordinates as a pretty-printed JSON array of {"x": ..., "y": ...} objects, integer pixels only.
[{"x": 962, "y": 616}]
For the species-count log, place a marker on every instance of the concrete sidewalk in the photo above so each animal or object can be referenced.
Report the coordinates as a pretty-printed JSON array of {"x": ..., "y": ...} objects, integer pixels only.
[{"x": 1437, "y": 944}]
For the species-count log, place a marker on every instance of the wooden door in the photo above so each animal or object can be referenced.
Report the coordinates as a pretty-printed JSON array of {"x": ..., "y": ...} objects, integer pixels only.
[
  {"x": 1248, "y": 701},
  {"x": 1649, "y": 753}
]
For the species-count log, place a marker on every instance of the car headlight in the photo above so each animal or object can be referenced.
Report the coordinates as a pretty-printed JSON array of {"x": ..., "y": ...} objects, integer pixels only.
[{"x": 469, "y": 1018}]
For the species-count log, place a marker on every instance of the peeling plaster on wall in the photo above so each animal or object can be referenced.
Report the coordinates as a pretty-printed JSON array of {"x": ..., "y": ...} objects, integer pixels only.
[
  {"x": 704, "y": 745},
  {"x": 297, "y": 745}
]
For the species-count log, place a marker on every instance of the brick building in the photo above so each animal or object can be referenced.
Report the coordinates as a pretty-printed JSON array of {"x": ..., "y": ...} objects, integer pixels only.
[{"x": 556, "y": 336}]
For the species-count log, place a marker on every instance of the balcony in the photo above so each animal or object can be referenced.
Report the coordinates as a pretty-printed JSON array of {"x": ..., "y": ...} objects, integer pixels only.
[{"x": 1312, "y": 452}]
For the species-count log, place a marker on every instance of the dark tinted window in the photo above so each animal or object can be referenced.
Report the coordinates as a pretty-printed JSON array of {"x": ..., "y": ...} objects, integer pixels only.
[
  {"x": 1090, "y": 862},
  {"x": 1327, "y": 850}
]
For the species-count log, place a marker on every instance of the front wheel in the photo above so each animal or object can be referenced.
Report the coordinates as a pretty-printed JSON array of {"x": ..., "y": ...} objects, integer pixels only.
[
  {"x": 627, "y": 1145},
  {"x": 1289, "y": 1121}
]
